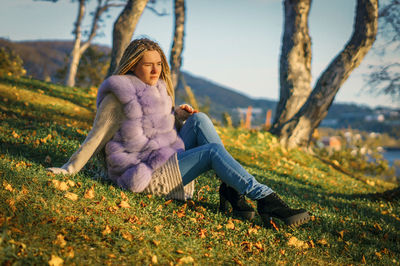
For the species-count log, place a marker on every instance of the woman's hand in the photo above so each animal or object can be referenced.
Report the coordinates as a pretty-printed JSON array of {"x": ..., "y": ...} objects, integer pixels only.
[
  {"x": 184, "y": 111},
  {"x": 188, "y": 108},
  {"x": 57, "y": 171}
]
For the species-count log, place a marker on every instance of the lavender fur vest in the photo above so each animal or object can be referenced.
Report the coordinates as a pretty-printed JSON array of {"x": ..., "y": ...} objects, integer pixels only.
[{"x": 147, "y": 137}]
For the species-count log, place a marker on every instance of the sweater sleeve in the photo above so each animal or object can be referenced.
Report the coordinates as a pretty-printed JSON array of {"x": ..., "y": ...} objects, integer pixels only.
[{"x": 108, "y": 118}]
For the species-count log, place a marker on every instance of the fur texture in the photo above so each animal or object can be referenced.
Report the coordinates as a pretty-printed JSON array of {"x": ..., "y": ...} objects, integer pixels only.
[{"x": 147, "y": 138}]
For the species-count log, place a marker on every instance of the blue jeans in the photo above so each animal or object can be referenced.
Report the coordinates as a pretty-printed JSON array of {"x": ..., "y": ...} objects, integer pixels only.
[{"x": 205, "y": 151}]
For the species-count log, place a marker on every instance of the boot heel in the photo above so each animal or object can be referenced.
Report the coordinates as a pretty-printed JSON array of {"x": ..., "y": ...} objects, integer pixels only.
[
  {"x": 266, "y": 219},
  {"x": 223, "y": 204},
  {"x": 249, "y": 215}
]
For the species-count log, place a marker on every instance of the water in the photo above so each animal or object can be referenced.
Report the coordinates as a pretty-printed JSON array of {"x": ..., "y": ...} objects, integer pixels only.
[{"x": 391, "y": 155}]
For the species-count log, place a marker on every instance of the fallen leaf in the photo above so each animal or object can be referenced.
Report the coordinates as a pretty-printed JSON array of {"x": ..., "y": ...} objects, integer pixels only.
[
  {"x": 363, "y": 261},
  {"x": 168, "y": 202},
  {"x": 106, "y": 231},
  {"x": 60, "y": 241},
  {"x": 274, "y": 225},
  {"x": 230, "y": 225},
  {"x": 229, "y": 243},
  {"x": 112, "y": 256},
  {"x": 123, "y": 196},
  {"x": 55, "y": 261},
  {"x": 293, "y": 241},
  {"x": 259, "y": 246},
  {"x": 124, "y": 204},
  {"x": 70, "y": 252},
  {"x": 158, "y": 228},
  {"x": 179, "y": 251},
  {"x": 7, "y": 186},
  {"x": 70, "y": 183},
  {"x": 156, "y": 242},
  {"x": 185, "y": 260},
  {"x": 89, "y": 193},
  {"x": 154, "y": 259},
  {"x": 202, "y": 233},
  {"x": 252, "y": 230},
  {"x": 322, "y": 242},
  {"x": 377, "y": 226},
  {"x": 341, "y": 233},
  {"x": 128, "y": 236},
  {"x": 71, "y": 196},
  {"x": 60, "y": 185}
]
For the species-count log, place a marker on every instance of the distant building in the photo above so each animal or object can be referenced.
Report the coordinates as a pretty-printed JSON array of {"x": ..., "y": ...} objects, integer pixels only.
[
  {"x": 333, "y": 143},
  {"x": 375, "y": 117}
]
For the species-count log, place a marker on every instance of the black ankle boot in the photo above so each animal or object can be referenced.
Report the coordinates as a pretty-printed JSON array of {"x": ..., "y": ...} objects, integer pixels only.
[
  {"x": 273, "y": 206},
  {"x": 237, "y": 201}
]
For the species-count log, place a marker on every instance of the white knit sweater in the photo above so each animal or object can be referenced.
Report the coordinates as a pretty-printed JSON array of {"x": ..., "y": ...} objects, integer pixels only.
[{"x": 166, "y": 180}]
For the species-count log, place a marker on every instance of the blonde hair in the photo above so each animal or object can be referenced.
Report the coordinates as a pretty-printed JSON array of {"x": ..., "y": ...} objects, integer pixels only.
[{"x": 134, "y": 53}]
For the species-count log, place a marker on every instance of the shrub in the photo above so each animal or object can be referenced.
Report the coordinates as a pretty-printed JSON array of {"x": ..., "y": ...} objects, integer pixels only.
[{"x": 10, "y": 63}]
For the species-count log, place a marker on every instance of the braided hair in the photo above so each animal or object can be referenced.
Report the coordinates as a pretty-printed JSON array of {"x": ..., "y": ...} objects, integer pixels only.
[{"x": 134, "y": 53}]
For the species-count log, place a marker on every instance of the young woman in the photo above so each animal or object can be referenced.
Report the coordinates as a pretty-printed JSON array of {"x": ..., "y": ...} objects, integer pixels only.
[{"x": 136, "y": 125}]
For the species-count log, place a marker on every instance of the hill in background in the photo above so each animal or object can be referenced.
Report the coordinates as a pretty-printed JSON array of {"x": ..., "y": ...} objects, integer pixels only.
[{"x": 42, "y": 59}]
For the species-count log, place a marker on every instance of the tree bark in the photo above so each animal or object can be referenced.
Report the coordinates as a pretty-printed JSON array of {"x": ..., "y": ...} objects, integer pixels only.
[
  {"x": 177, "y": 44},
  {"x": 298, "y": 130},
  {"x": 75, "y": 54},
  {"x": 124, "y": 28},
  {"x": 79, "y": 47},
  {"x": 295, "y": 61}
]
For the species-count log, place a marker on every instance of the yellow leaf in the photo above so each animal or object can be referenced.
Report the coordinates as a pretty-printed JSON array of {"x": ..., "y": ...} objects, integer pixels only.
[
  {"x": 293, "y": 241},
  {"x": 124, "y": 204},
  {"x": 252, "y": 231},
  {"x": 158, "y": 228},
  {"x": 230, "y": 225},
  {"x": 89, "y": 194},
  {"x": 128, "y": 236},
  {"x": 106, "y": 231},
  {"x": 60, "y": 241},
  {"x": 123, "y": 196},
  {"x": 154, "y": 259},
  {"x": 185, "y": 260},
  {"x": 60, "y": 185},
  {"x": 7, "y": 186},
  {"x": 70, "y": 183},
  {"x": 156, "y": 242},
  {"x": 179, "y": 251},
  {"x": 322, "y": 242},
  {"x": 55, "y": 261},
  {"x": 71, "y": 196},
  {"x": 70, "y": 253}
]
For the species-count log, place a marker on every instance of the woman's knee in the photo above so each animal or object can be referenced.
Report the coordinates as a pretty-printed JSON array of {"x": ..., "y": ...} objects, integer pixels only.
[{"x": 201, "y": 117}]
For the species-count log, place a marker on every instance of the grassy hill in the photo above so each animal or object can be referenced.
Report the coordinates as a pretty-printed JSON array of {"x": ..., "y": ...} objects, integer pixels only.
[{"x": 81, "y": 219}]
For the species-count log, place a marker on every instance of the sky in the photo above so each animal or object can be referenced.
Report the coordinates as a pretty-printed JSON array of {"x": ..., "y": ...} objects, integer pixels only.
[{"x": 233, "y": 43}]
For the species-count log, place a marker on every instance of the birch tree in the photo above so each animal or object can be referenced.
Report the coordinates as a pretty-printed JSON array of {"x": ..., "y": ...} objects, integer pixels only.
[
  {"x": 81, "y": 46},
  {"x": 296, "y": 130},
  {"x": 178, "y": 41}
]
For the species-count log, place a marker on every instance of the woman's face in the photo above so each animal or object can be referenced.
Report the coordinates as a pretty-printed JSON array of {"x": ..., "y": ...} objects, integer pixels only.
[{"x": 149, "y": 68}]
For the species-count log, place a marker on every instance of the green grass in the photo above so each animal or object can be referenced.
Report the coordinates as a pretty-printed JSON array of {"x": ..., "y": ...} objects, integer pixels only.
[{"x": 42, "y": 124}]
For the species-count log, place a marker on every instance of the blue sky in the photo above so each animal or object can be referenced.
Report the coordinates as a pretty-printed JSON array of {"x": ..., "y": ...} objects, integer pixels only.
[{"x": 234, "y": 43}]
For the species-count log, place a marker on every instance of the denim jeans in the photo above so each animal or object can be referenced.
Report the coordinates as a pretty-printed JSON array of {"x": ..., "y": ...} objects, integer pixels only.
[{"x": 205, "y": 151}]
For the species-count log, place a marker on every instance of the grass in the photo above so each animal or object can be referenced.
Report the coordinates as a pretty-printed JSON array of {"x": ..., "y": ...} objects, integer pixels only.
[{"x": 80, "y": 219}]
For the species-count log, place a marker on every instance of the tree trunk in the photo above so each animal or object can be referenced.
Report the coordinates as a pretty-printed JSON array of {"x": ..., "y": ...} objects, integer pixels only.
[
  {"x": 295, "y": 61},
  {"x": 75, "y": 54},
  {"x": 177, "y": 45},
  {"x": 124, "y": 28},
  {"x": 298, "y": 130}
]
